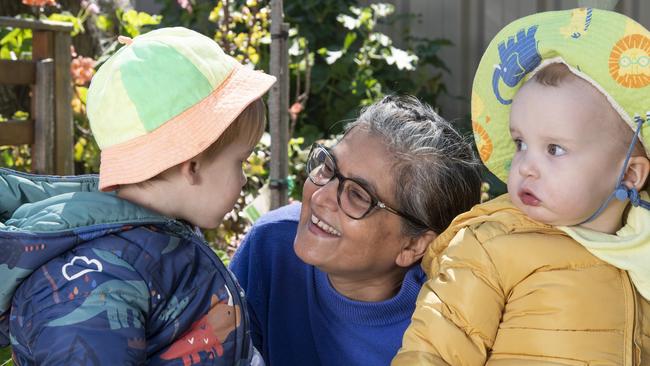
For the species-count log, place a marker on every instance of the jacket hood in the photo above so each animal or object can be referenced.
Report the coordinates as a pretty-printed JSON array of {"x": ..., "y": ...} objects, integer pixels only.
[
  {"x": 506, "y": 218},
  {"x": 42, "y": 217}
]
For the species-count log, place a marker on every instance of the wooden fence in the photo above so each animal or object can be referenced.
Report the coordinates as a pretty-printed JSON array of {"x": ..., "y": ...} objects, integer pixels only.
[{"x": 49, "y": 130}]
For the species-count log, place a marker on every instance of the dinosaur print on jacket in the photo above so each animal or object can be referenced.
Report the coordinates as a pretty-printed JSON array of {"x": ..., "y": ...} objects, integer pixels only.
[{"x": 207, "y": 334}]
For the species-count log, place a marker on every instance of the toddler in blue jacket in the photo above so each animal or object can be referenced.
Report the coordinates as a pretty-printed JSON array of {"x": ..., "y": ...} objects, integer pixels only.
[{"x": 111, "y": 270}]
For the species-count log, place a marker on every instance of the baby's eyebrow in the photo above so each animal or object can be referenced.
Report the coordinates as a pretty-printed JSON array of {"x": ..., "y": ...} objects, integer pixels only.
[{"x": 560, "y": 139}]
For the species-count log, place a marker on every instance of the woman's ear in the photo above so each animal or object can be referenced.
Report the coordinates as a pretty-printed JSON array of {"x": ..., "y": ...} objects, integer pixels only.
[
  {"x": 190, "y": 171},
  {"x": 637, "y": 172},
  {"x": 415, "y": 248}
]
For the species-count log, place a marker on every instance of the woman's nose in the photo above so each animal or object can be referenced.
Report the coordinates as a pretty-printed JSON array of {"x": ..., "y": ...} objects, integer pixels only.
[{"x": 325, "y": 196}]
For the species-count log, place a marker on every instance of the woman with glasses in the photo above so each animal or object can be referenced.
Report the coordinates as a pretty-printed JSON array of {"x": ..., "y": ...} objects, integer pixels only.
[{"x": 334, "y": 280}]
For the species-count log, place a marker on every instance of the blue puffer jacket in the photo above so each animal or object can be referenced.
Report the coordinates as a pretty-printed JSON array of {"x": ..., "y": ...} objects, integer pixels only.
[{"x": 90, "y": 279}]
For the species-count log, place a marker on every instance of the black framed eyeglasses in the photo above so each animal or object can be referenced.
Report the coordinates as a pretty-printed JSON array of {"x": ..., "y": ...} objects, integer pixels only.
[{"x": 354, "y": 197}]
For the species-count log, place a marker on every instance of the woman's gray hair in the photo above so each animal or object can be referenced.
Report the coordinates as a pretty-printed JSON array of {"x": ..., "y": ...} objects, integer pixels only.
[{"x": 435, "y": 172}]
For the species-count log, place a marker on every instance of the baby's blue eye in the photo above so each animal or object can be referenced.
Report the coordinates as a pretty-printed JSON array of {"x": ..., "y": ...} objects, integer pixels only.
[
  {"x": 555, "y": 150},
  {"x": 520, "y": 145}
]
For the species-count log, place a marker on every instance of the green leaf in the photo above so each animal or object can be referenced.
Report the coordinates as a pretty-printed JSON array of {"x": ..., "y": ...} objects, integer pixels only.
[
  {"x": 5, "y": 53},
  {"x": 14, "y": 37},
  {"x": 20, "y": 115},
  {"x": 82, "y": 92},
  {"x": 223, "y": 256},
  {"x": 5, "y": 356},
  {"x": 8, "y": 158},
  {"x": 349, "y": 39},
  {"x": 146, "y": 19},
  {"x": 77, "y": 26},
  {"x": 79, "y": 149},
  {"x": 133, "y": 21},
  {"x": 104, "y": 23}
]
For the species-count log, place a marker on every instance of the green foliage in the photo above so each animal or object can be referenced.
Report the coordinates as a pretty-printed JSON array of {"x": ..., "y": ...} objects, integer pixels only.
[
  {"x": 242, "y": 31},
  {"x": 350, "y": 63},
  {"x": 15, "y": 44},
  {"x": 16, "y": 157},
  {"x": 133, "y": 23},
  {"x": 104, "y": 23},
  {"x": 5, "y": 357},
  {"x": 77, "y": 22}
]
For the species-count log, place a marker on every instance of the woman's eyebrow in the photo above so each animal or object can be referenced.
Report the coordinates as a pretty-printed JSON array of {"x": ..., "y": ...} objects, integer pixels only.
[{"x": 364, "y": 182}]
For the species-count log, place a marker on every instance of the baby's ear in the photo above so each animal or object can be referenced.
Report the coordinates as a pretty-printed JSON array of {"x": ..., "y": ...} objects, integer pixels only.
[{"x": 637, "y": 172}]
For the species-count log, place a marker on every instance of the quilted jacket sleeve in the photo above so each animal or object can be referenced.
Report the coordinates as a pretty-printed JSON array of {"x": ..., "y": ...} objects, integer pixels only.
[{"x": 458, "y": 310}]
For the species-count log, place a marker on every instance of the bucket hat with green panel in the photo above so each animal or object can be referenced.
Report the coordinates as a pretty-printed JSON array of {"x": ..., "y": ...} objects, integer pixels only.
[{"x": 164, "y": 98}]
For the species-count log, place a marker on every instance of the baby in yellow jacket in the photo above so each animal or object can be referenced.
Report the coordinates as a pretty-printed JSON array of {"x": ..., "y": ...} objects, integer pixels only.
[{"x": 557, "y": 272}]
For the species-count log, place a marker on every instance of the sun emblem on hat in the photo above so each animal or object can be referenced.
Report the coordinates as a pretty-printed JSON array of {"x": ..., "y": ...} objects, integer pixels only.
[
  {"x": 483, "y": 142},
  {"x": 629, "y": 61}
]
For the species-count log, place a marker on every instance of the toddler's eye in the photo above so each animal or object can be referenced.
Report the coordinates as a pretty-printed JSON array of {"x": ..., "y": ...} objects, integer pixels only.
[
  {"x": 520, "y": 145},
  {"x": 556, "y": 150}
]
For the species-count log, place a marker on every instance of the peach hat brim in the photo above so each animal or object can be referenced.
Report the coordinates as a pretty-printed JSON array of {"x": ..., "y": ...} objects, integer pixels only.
[{"x": 184, "y": 136}]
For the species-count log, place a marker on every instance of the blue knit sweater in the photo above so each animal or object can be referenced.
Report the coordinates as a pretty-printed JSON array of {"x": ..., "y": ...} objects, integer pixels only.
[{"x": 299, "y": 319}]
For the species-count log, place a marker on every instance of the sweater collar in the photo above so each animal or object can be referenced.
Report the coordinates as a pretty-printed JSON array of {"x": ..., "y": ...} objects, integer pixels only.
[{"x": 394, "y": 310}]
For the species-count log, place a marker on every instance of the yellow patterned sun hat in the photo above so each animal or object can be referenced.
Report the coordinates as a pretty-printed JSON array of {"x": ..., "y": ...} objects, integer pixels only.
[
  {"x": 607, "y": 49},
  {"x": 163, "y": 99}
]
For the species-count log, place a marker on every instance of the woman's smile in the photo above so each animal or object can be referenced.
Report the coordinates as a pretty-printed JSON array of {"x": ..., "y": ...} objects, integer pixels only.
[{"x": 320, "y": 227}]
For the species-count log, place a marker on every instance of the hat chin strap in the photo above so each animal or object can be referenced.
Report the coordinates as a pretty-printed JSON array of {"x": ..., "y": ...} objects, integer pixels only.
[{"x": 622, "y": 193}]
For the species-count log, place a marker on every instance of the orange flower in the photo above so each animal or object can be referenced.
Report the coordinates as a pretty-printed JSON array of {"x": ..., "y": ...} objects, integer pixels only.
[
  {"x": 40, "y": 3},
  {"x": 82, "y": 69}
]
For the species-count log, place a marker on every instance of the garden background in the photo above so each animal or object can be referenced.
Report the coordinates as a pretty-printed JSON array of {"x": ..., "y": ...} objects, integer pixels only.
[{"x": 343, "y": 54}]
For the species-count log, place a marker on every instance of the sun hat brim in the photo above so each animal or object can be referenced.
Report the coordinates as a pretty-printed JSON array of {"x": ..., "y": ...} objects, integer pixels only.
[{"x": 185, "y": 135}]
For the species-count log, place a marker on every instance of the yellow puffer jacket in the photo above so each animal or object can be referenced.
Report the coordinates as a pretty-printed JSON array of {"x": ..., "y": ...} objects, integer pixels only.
[{"x": 505, "y": 290}]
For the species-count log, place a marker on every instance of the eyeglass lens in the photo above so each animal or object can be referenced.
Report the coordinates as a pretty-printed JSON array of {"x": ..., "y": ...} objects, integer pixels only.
[{"x": 353, "y": 198}]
